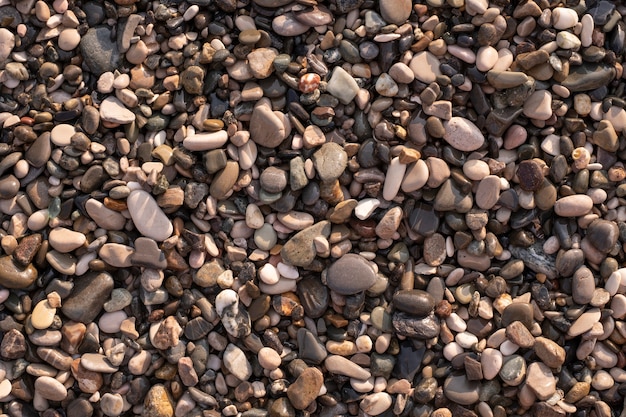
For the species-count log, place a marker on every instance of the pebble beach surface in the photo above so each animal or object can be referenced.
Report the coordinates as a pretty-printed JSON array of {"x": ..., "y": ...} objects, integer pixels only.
[{"x": 277, "y": 208}]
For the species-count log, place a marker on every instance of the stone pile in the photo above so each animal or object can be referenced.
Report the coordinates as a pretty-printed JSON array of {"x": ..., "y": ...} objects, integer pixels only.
[{"x": 277, "y": 208}]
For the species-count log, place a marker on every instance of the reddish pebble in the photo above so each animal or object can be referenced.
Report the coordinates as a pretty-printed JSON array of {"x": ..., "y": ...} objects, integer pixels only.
[
  {"x": 309, "y": 82},
  {"x": 515, "y": 136},
  {"x": 29, "y": 121}
]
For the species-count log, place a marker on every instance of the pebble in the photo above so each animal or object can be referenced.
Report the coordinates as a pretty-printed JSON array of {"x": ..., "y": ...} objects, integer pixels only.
[
  {"x": 50, "y": 389},
  {"x": 462, "y": 134},
  {"x": 540, "y": 380},
  {"x": 363, "y": 275},
  {"x": 573, "y": 206},
  {"x": 306, "y": 388},
  {"x": 113, "y": 110},
  {"x": 460, "y": 390},
  {"x": 148, "y": 216},
  {"x": 278, "y": 208},
  {"x": 342, "y": 85}
]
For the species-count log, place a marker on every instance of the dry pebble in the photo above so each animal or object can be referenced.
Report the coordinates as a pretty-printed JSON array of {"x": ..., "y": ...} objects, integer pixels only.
[{"x": 279, "y": 208}]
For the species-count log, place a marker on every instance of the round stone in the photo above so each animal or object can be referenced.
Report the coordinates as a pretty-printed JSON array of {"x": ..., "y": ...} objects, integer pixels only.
[{"x": 350, "y": 274}]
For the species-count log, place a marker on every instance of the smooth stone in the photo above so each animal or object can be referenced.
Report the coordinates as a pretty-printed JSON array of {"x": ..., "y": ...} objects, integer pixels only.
[
  {"x": 486, "y": 58},
  {"x": 310, "y": 349},
  {"x": 425, "y": 67},
  {"x": 583, "y": 285},
  {"x": 103, "y": 216},
  {"x": 603, "y": 234},
  {"x": 15, "y": 276},
  {"x": 459, "y": 390},
  {"x": 43, "y": 315},
  {"x": 148, "y": 217},
  {"x": 395, "y": 11},
  {"x": 343, "y": 366},
  {"x": 114, "y": 111},
  {"x": 66, "y": 240},
  {"x": 540, "y": 380},
  {"x": 416, "y": 302},
  {"x": 116, "y": 255},
  {"x": 539, "y": 105},
  {"x": 588, "y": 77},
  {"x": 266, "y": 127},
  {"x": 88, "y": 296},
  {"x": 236, "y": 362},
  {"x": 7, "y": 43},
  {"x": 205, "y": 141},
  {"x": 287, "y": 25},
  {"x": 451, "y": 198},
  {"x": 564, "y": 18},
  {"x": 462, "y": 134},
  {"x": 50, "y": 389},
  {"x": 362, "y": 275},
  {"x": 585, "y": 322},
  {"x": 342, "y": 85},
  {"x": 224, "y": 181},
  {"x": 491, "y": 361},
  {"x": 573, "y": 205},
  {"x": 39, "y": 151},
  {"x": 393, "y": 179},
  {"x": 488, "y": 192},
  {"x": 376, "y": 404},
  {"x": 112, "y": 405},
  {"x": 522, "y": 312},
  {"x": 506, "y": 79}
]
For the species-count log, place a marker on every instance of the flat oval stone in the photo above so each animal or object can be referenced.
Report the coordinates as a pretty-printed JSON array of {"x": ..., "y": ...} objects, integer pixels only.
[
  {"x": 343, "y": 366},
  {"x": 585, "y": 322},
  {"x": 15, "y": 276},
  {"x": 224, "y": 180},
  {"x": 103, "y": 216},
  {"x": 66, "y": 240},
  {"x": 583, "y": 285},
  {"x": 416, "y": 302},
  {"x": 205, "y": 141},
  {"x": 350, "y": 274},
  {"x": 573, "y": 205},
  {"x": 462, "y": 134},
  {"x": 148, "y": 216},
  {"x": 50, "y": 389},
  {"x": 43, "y": 315}
]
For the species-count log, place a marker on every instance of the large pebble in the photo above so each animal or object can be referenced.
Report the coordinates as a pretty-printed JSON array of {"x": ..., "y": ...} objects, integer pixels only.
[
  {"x": 50, "y": 389},
  {"x": 15, "y": 276},
  {"x": 462, "y": 134},
  {"x": 350, "y": 274},
  {"x": 573, "y": 205},
  {"x": 237, "y": 363},
  {"x": 306, "y": 388},
  {"x": 148, "y": 216}
]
